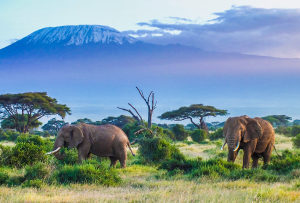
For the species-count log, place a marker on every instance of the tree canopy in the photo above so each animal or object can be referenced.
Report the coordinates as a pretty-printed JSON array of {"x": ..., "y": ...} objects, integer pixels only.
[
  {"x": 53, "y": 126},
  {"x": 87, "y": 121},
  {"x": 278, "y": 120},
  {"x": 9, "y": 123},
  {"x": 32, "y": 105},
  {"x": 119, "y": 121},
  {"x": 199, "y": 111}
]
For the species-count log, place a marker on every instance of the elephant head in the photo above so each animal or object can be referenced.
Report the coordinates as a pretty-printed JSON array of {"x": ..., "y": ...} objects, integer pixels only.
[
  {"x": 68, "y": 136},
  {"x": 237, "y": 130}
]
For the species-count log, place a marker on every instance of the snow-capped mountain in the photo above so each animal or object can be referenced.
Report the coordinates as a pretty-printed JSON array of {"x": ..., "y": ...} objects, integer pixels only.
[{"x": 77, "y": 35}]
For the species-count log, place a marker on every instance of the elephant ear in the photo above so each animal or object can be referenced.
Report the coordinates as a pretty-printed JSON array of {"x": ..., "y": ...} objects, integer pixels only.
[
  {"x": 77, "y": 136},
  {"x": 253, "y": 130}
]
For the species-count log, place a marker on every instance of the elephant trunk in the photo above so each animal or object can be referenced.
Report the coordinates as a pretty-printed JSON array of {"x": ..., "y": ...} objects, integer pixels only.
[{"x": 59, "y": 143}]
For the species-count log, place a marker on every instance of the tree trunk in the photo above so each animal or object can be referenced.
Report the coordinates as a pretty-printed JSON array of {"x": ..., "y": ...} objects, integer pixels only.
[
  {"x": 203, "y": 125},
  {"x": 149, "y": 119}
]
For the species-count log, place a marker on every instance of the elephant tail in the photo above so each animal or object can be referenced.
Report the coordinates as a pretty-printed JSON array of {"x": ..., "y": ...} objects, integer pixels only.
[{"x": 128, "y": 144}]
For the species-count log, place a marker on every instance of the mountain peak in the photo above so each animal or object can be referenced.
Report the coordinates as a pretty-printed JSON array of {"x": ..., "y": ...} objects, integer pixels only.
[{"x": 77, "y": 35}]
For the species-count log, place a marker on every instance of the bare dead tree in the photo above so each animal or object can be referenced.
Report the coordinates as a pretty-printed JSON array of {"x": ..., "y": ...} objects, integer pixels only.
[{"x": 151, "y": 106}]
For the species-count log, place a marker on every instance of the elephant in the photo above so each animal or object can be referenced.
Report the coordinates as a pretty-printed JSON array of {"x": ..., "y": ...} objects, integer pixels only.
[
  {"x": 254, "y": 135},
  {"x": 102, "y": 141}
]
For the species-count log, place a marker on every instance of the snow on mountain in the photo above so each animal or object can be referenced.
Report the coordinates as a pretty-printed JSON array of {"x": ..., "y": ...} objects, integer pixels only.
[{"x": 77, "y": 35}]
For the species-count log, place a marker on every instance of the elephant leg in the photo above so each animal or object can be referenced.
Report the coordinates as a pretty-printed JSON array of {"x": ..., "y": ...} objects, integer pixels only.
[
  {"x": 113, "y": 161},
  {"x": 267, "y": 154},
  {"x": 123, "y": 157},
  {"x": 255, "y": 158},
  {"x": 83, "y": 153}
]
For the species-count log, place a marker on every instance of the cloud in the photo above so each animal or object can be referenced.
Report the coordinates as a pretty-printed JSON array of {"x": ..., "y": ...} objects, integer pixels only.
[{"x": 271, "y": 32}]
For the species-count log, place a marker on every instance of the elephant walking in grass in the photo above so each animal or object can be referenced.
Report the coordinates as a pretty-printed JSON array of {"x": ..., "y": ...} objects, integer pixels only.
[
  {"x": 253, "y": 135},
  {"x": 103, "y": 141}
]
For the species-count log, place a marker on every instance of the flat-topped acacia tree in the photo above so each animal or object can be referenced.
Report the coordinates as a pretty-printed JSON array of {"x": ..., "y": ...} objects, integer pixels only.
[
  {"x": 194, "y": 111},
  {"x": 32, "y": 105}
]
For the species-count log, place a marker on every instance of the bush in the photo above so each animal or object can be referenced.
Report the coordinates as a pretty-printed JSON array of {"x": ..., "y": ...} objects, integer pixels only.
[
  {"x": 70, "y": 156},
  {"x": 37, "y": 171},
  {"x": 28, "y": 150},
  {"x": 15, "y": 180},
  {"x": 285, "y": 163},
  {"x": 216, "y": 134},
  {"x": 157, "y": 149},
  {"x": 199, "y": 135},
  {"x": 37, "y": 183},
  {"x": 8, "y": 135},
  {"x": 284, "y": 130},
  {"x": 296, "y": 141},
  {"x": 87, "y": 173},
  {"x": 168, "y": 133},
  {"x": 3, "y": 177},
  {"x": 180, "y": 133},
  {"x": 295, "y": 130}
]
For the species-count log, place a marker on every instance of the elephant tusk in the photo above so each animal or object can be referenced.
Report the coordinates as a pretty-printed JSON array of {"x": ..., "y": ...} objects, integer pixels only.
[
  {"x": 237, "y": 146},
  {"x": 222, "y": 148},
  {"x": 54, "y": 151}
]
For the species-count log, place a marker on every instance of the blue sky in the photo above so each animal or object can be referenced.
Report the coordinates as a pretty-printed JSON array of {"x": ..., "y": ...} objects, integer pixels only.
[{"x": 19, "y": 18}]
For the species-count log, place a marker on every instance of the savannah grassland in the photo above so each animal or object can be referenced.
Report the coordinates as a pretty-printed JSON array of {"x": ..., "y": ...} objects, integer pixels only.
[{"x": 148, "y": 184}]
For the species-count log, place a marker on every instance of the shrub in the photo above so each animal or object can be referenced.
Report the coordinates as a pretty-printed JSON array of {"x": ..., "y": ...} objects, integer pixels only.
[
  {"x": 9, "y": 135},
  {"x": 284, "y": 130},
  {"x": 285, "y": 163},
  {"x": 199, "y": 135},
  {"x": 296, "y": 141},
  {"x": 37, "y": 183},
  {"x": 169, "y": 134},
  {"x": 157, "y": 149},
  {"x": 15, "y": 180},
  {"x": 27, "y": 154},
  {"x": 28, "y": 150},
  {"x": 37, "y": 171},
  {"x": 70, "y": 156},
  {"x": 179, "y": 132},
  {"x": 87, "y": 173},
  {"x": 295, "y": 130},
  {"x": 216, "y": 134},
  {"x": 3, "y": 177}
]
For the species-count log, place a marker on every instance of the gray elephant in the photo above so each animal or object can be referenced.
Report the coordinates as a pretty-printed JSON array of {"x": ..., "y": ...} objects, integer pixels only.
[
  {"x": 254, "y": 135},
  {"x": 103, "y": 141}
]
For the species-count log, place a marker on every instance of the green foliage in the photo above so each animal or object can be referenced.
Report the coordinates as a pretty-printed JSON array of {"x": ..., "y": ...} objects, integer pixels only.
[
  {"x": 36, "y": 183},
  {"x": 296, "y": 141},
  {"x": 87, "y": 173},
  {"x": 70, "y": 156},
  {"x": 15, "y": 180},
  {"x": 53, "y": 126},
  {"x": 199, "y": 135},
  {"x": 154, "y": 150},
  {"x": 34, "y": 105},
  {"x": 217, "y": 134},
  {"x": 28, "y": 150},
  {"x": 285, "y": 163},
  {"x": 3, "y": 176},
  {"x": 179, "y": 132},
  {"x": 295, "y": 130},
  {"x": 87, "y": 121},
  {"x": 9, "y": 122},
  {"x": 198, "y": 111},
  {"x": 37, "y": 171},
  {"x": 8, "y": 135},
  {"x": 287, "y": 131},
  {"x": 216, "y": 168},
  {"x": 169, "y": 133},
  {"x": 120, "y": 121},
  {"x": 278, "y": 120}
]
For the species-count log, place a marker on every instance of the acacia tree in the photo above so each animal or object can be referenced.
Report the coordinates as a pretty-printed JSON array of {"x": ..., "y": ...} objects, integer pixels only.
[
  {"x": 151, "y": 106},
  {"x": 53, "y": 126},
  {"x": 194, "y": 111},
  {"x": 278, "y": 120},
  {"x": 9, "y": 123},
  {"x": 30, "y": 105}
]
